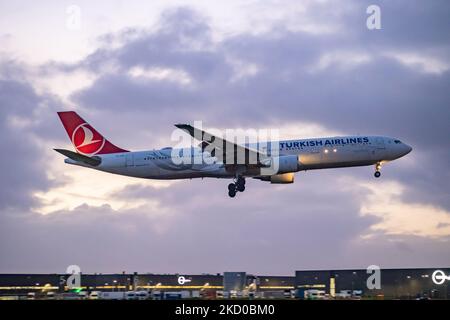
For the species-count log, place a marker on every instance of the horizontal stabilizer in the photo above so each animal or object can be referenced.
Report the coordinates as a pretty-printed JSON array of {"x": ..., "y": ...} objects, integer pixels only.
[{"x": 92, "y": 161}]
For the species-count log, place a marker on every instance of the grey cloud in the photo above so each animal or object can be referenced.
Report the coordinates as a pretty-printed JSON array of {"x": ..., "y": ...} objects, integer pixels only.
[
  {"x": 23, "y": 162},
  {"x": 308, "y": 225},
  {"x": 413, "y": 26},
  {"x": 201, "y": 228},
  {"x": 380, "y": 89},
  {"x": 381, "y": 96},
  {"x": 146, "y": 96}
]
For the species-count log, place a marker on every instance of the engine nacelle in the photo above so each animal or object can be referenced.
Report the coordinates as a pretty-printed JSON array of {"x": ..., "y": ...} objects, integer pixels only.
[
  {"x": 282, "y": 178},
  {"x": 285, "y": 164},
  {"x": 280, "y": 170},
  {"x": 279, "y": 178}
]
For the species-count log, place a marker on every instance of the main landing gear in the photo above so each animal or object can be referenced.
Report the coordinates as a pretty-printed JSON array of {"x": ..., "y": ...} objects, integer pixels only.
[
  {"x": 377, "y": 173},
  {"x": 239, "y": 185}
]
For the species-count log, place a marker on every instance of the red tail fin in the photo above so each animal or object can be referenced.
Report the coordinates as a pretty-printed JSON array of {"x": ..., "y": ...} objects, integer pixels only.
[{"x": 84, "y": 137}]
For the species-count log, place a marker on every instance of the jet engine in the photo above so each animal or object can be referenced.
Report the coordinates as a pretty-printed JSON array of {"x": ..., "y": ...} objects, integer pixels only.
[
  {"x": 282, "y": 164},
  {"x": 283, "y": 178}
]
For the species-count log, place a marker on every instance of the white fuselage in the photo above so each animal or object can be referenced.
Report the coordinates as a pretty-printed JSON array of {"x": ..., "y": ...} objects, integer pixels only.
[{"x": 316, "y": 153}]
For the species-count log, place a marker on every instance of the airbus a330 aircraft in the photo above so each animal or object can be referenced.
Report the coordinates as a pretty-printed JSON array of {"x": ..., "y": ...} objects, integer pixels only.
[{"x": 95, "y": 152}]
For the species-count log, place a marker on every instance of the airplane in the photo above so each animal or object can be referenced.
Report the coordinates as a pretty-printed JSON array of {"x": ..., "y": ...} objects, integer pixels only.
[{"x": 218, "y": 156}]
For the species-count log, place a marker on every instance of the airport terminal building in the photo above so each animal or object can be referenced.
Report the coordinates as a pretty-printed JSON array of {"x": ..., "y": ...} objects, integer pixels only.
[{"x": 395, "y": 284}]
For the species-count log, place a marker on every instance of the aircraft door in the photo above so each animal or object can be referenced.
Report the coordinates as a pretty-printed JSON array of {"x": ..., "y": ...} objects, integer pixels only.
[
  {"x": 130, "y": 159},
  {"x": 379, "y": 143},
  {"x": 378, "y": 149}
]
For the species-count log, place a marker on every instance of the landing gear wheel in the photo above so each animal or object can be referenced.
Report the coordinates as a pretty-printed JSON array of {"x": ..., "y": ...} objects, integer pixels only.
[
  {"x": 377, "y": 173},
  {"x": 240, "y": 184},
  {"x": 240, "y": 181}
]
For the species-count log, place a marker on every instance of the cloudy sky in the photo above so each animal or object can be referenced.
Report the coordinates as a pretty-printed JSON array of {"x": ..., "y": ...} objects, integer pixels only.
[{"x": 309, "y": 68}]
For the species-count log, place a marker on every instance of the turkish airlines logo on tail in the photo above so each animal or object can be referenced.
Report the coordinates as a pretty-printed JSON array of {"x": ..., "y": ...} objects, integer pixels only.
[{"x": 86, "y": 140}]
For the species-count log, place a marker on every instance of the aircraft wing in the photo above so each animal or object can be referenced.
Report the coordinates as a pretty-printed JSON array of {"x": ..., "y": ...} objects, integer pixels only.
[{"x": 230, "y": 152}]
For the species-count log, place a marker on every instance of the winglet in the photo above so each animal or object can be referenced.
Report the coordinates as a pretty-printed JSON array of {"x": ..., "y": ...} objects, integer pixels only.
[{"x": 186, "y": 127}]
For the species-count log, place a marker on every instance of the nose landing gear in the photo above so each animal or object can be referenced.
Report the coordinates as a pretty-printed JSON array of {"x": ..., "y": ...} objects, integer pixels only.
[
  {"x": 239, "y": 185},
  {"x": 377, "y": 173}
]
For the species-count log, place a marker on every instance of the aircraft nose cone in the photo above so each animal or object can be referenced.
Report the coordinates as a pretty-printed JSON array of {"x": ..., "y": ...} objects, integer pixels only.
[{"x": 408, "y": 149}]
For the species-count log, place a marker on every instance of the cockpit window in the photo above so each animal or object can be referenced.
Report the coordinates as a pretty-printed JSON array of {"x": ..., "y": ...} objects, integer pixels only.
[{"x": 397, "y": 141}]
